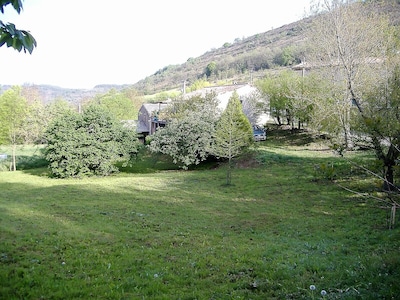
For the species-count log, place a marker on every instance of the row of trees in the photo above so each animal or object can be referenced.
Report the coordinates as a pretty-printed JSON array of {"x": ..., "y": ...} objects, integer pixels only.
[
  {"x": 25, "y": 119},
  {"x": 92, "y": 139}
]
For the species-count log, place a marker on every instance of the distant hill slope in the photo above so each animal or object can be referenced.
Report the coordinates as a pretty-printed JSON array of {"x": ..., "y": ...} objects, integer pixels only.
[
  {"x": 234, "y": 62},
  {"x": 245, "y": 59},
  {"x": 49, "y": 93}
]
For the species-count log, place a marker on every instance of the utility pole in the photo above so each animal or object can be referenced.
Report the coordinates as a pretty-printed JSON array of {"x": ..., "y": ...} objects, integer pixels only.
[{"x": 184, "y": 87}]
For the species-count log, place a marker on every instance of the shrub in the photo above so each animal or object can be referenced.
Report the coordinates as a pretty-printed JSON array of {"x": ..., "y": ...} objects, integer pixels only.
[{"x": 87, "y": 144}]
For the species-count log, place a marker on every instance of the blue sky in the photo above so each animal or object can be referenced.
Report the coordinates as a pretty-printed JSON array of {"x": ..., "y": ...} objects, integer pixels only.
[{"x": 82, "y": 43}]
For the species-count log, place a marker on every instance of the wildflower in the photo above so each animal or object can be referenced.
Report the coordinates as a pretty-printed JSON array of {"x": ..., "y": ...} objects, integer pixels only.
[
  {"x": 323, "y": 293},
  {"x": 312, "y": 287}
]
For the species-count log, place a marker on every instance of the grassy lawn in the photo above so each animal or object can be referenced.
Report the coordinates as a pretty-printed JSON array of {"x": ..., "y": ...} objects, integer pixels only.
[{"x": 184, "y": 235}]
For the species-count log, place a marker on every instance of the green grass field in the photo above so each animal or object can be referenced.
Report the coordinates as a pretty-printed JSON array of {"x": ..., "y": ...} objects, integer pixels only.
[{"x": 170, "y": 234}]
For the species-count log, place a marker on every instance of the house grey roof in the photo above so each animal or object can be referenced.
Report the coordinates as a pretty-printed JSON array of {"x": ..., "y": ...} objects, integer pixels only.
[{"x": 143, "y": 124}]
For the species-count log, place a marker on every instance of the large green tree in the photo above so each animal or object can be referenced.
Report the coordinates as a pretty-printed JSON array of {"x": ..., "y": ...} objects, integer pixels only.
[
  {"x": 88, "y": 144},
  {"x": 233, "y": 134},
  {"x": 13, "y": 110},
  {"x": 10, "y": 35}
]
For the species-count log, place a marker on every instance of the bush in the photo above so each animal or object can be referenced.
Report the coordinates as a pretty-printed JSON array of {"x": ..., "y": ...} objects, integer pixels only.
[{"x": 87, "y": 144}]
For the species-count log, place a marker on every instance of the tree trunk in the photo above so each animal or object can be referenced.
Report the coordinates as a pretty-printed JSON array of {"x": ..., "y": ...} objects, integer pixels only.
[
  {"x": 278, "y": 118},
  {"x": 14, "y": 165},
  {"x": 389, "y": 161},
  {"x": 388, "y": 184},
  {"x": 229, "y": 172}
]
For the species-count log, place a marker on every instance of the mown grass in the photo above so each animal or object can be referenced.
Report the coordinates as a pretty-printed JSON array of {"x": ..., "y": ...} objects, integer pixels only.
[{"x": 176, "y": 234}]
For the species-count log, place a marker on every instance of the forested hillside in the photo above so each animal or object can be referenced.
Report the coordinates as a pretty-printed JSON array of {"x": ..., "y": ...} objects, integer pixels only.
[
  {"x": 241, "y": 61},
  {"x": 246, "y": 59}
]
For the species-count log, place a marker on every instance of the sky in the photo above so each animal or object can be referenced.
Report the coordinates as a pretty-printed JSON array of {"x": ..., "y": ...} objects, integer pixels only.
[{"x": 83, "y": 43}]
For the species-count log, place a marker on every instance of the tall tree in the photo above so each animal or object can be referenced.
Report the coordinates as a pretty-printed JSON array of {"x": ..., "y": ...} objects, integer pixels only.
[
  {"x": 10, "y": 35},
  {"x": 233, "y": 134},
  {"x": 13, "y": 110},
  {"x": 353, "y": 47}
]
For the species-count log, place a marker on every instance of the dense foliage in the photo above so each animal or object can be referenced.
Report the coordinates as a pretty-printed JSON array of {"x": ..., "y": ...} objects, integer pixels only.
[
  {"x": 88, "y": 144},
  {"x": 289, "y": 97},
  {"x": 188, "y": 137}
]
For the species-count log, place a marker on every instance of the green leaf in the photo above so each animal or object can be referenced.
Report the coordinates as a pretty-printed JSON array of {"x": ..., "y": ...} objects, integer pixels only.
[
  {"x": 4, "y": 38},
  {"x": 17, "y": 44},
  {"x": 16, "y": 4}
]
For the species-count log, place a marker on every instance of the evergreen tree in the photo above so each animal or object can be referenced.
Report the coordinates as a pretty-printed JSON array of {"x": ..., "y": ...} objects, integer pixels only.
[{"x": 233, "y": 134}]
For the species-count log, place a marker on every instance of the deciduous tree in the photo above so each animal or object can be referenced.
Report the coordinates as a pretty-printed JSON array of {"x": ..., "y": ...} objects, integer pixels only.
[
  {"x": 288, "y": 95},
  {"x": 253, "y": 106},
  {"x": 13, "y": 110}
]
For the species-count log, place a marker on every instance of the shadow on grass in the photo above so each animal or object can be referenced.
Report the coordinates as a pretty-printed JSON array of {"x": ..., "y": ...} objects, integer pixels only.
[
  {"x": 268, "y": 236},
  {"x": 283, "y": 136},
  {"x": 27, "y": 163}
]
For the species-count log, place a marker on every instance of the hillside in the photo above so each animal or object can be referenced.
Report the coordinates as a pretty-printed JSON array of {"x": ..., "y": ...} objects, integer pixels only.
[
  {"x": 246, "y": 59},
  {"x": 240, "y": 61},
  {"x": 49, "y": 93}
]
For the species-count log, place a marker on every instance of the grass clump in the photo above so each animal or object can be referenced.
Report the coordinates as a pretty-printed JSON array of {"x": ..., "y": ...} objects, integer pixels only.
[{"x": 181, "y": 235}]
